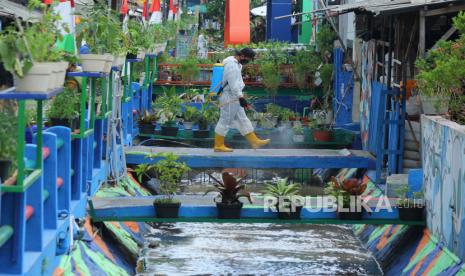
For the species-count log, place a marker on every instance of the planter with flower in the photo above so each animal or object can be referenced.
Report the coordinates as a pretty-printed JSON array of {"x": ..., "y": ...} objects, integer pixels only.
[
  {"x": 230, "y": 190},
  {"x": 345, "y": 193},
  {"x": 169, "y": 171}
]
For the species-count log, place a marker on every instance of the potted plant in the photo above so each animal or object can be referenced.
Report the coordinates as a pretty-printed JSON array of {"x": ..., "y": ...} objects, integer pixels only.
[
  {"x": 305, "y": 64},
  {"x": 230, "y": 191},
  {"x": 285, "y": 114},
  {"x": 169, "y": 172},
  {"x": 144, "y": 173},
  {"x": 169, "y": 105},
  {"x": 284, "y": 191},
  {"x": 8, "y": 129},
  {"x": 191, "y": 115},
  {"x": 63, "y": 110},
  {"x": 298, "y": 130},
  {"x": 344, "y": 191},
  {"x": 320, "y": 132},
  {"x": 147, "y": 122},
  {"x": 29, "y": 53},
  {"x": 188, "y": 70},
  {"x": 208, "y": 115},
  {"x": 100, "y": 29},
  {"x": 410, "y": 209},
  {"x": 271, "y": 76},
  {"x": 439, "y": 81}
]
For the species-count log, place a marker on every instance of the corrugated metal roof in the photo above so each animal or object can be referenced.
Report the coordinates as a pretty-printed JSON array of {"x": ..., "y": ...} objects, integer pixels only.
[
  {"x": 385, "y": 6},
  {"x": 10, "y": 9}
]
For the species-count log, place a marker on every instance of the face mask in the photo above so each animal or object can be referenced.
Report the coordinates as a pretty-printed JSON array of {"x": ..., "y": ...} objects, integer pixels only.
[{"x": 244, "y": 61}]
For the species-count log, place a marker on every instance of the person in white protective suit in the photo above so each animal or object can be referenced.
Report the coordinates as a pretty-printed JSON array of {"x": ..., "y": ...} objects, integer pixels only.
[
  {"x": 233, "y": 103},
  {"x": 202, "y": 46}
]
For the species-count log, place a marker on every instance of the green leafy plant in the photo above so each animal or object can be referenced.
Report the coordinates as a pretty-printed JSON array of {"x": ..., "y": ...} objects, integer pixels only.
[
  {"x": 191, "y": 114},
  {"x": 188, "y": 70},
  {"x": 168, "y": 105},
  {"x": 65, "y": 105},
  {"x": 230, "y": 189},
  {"x": 148, "y": 117},
  {"x": 143, "y": 170},
  {"x": 441, "y": 73},
  {"x": 306, "y": 63},
  {"x": 101, "y": 30},
  {"x": 271, "y": 76},
  {"x": 169, "y": 171},
  {"x": 298, "y": 129},
  {"x": 406, "y": 202},
  {"x": 282, "y": 188},
  {"x": 20, "y": 47},
  {"x": 8, "y": 130}
]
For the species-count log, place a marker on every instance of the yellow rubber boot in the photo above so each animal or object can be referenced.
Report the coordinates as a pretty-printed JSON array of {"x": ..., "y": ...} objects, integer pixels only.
[
  {"x": 219, "y": 144},
  {"x": 255, "y": 142}
]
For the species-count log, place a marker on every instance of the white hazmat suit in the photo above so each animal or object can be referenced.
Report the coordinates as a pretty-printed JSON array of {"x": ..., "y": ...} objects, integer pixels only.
[{"x": 232, "y": 114}]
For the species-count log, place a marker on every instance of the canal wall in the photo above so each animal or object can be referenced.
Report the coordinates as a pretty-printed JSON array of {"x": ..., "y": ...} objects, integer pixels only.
[
  {"x": 437, "y": 249},
  {"x": 444, "y": 181}
]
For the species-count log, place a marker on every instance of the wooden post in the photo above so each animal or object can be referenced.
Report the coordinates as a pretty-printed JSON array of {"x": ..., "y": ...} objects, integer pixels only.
[{"x": 422, "y": 32}]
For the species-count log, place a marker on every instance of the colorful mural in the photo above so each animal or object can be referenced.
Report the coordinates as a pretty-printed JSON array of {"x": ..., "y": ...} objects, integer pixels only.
[
  {"x": 443, "y": 159},
  {"x": 368, "y": 59}
]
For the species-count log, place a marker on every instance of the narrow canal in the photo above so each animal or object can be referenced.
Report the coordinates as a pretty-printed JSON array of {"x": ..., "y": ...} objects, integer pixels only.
[{"x": 255, "y": 249}]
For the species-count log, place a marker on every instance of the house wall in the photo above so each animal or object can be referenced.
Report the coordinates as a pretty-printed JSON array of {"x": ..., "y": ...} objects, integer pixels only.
[{"x": 443, "y": 159}]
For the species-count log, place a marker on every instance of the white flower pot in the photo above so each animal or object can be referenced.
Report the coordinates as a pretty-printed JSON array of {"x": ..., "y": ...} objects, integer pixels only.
[
  {"x": 434, "y": 104},
  {"x": 187, "y": 125},
  {"x": 119, "y": 60},
  {"x": 56, "y": 71},
  {"x": 159, "y": 48},
  {"x": 286, "y": 124},
  {"x": 38, "y": 79},
  {"x": 298, "y": 138},
  {"x": 95, "y": 63},
  {"x": 61, "y": 75},
  {"x": 141, "y": 54}
]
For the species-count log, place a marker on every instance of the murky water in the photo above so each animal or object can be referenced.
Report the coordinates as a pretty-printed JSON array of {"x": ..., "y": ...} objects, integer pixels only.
[{"x": 256, "y": 249}]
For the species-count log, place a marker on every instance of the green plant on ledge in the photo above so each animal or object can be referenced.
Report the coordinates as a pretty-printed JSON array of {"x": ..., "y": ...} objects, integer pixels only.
[
  {"x": 191, "y": 114},
  {"x": 33, "y": 42},
  {"x": 169, "y": 171},
  {"x": 64, "y": 106},
  {"x": 282, "y": 188},
  {"x": 101, "y": 30},
  {"x": 168, "y": 105},
  {"x": 442, "y": 74},
  {"x": 8, "y": 139}
]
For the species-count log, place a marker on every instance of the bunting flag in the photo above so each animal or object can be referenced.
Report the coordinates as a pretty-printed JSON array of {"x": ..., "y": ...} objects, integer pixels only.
[
  {"x": 66, "y": 11},
  {"x": 145, "y": 10},
  {"x": 173, "y": 10},
  {"x": 156, "y": 16},
  {"x": 124, "y": 7}
]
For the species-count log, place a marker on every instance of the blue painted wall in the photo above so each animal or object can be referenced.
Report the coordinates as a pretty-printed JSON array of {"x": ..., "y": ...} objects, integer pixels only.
[{"x": 278, "y": 29}]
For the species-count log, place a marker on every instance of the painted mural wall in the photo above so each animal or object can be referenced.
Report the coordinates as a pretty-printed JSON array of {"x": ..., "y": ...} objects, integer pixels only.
[{"x": 444, "y": 180}]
